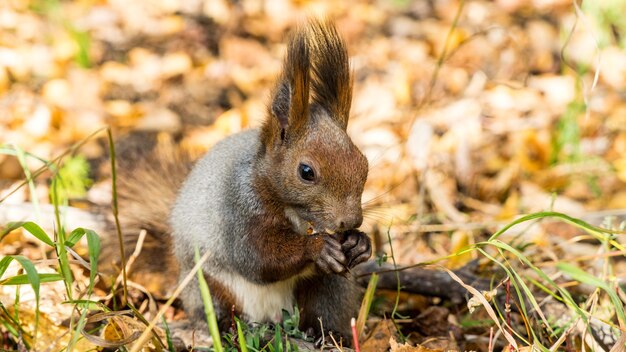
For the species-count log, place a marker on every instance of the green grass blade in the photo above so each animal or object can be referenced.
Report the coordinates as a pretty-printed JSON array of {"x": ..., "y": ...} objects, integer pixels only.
[
  {"x": 83, "y": 42},
  {"x": 208, "y": 308},
  {"x": 64, "y": 264},
  {"x": 35, "y": 283},
  {"x": 242, "y": 339},
  {"x": 31, "y": 273},
  {"x": 4, "y": 264},
  {"x": 80, "y": 325},
  {"x": 523, "y": 290},
  {"x": 91, "y": 304},
  {"x": 8, "y": 228},
  {"x": 366, "y": 303},
  {"x": 552, "y": 214},
  {"x": 34, "y": 230},
  {"x": 278, "y": 341},
  {"x": 567, "y": 298},
  {"x": 579, "y": 275},
  {"x": 74, "y": 237},
  {"x": 93, "y": 244},
  {"x": 12, "y": 325},
  {"x": 168, "y": 335},
  {"x": 115, "y": 209},
  {"x": 24, "y": 279}
]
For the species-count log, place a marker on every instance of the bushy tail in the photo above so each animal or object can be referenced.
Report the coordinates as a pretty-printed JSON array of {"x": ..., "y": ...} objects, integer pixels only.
[{"x": 147, "y": 185}]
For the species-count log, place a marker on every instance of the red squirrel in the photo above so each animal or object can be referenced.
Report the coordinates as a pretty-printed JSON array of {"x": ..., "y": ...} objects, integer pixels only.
[{"x": 277, "y": 207}]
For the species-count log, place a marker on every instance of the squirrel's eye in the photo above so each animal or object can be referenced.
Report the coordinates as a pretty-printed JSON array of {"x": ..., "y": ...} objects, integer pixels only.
[{"x": 306, "y": 172}]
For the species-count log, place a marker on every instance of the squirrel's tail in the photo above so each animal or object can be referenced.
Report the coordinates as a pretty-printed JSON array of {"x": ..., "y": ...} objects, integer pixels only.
[{"x": 147, "y": 185}]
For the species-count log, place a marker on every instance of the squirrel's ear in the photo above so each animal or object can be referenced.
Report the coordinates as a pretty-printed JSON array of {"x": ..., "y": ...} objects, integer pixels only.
[
  {"x": 290, "y": 98},
  {"x": 330, "y": 71}
]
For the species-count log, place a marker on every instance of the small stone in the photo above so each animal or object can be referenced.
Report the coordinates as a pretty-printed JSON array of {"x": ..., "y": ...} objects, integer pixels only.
[
  {"x": 38, "y": 124},
  {"x": 57, "y": 92},
  {"x": 175, "y": 64},
  {"x": 159, "y": 120}
]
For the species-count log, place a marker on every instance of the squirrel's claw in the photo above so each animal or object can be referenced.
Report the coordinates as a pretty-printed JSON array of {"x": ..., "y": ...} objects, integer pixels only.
[
  {"x": 356, "y": 246},
  {"x": 332, "y": 259}
]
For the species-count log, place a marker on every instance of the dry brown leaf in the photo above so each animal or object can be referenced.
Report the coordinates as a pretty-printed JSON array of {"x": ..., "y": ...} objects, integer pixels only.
[
  {"x": 433, "y": 322},
  {"x": 396, "y": 347},
  {"x": 615, "y": 59},
  {"x": 481, "y": 299},
  {"x": 441, "y": 189},
  {"x": 379, "y": 338},
  {"x": 51, "y": 335}
]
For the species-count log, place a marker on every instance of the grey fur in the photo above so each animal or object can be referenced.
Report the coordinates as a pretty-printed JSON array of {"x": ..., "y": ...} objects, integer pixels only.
[
  {"x": 212, "y": 204},
  {"x": 215, "y": 201}
]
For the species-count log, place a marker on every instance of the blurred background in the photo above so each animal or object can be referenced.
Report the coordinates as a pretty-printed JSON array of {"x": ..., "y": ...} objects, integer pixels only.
[{"x": 471, "y": 113}]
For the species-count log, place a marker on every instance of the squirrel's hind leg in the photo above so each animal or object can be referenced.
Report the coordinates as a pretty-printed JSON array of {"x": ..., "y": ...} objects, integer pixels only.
[{"x": 332, "y": 298}]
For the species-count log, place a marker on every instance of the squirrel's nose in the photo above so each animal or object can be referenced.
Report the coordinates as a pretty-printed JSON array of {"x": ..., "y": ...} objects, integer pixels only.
[{"x": 351, "y": 221}]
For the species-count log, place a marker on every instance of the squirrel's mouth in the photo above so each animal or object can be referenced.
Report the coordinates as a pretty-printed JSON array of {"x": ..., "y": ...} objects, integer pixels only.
[
  {"x": 311, "y": 230},
  {"x": 305, "y": 222}
]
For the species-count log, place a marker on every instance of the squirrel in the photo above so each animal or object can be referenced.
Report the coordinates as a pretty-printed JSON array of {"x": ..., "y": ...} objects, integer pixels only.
[{"x": 278, "y": 207}]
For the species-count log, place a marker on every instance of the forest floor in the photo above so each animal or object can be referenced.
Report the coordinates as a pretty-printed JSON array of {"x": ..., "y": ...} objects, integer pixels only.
[{"x": 474, "y": 115}]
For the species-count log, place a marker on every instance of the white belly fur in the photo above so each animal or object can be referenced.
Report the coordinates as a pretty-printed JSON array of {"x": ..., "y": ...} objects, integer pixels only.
[{"x": 261, "y": 303}]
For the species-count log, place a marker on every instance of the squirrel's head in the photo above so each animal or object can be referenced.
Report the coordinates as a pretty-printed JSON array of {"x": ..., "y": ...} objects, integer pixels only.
[{"x": 307, "y": 159}]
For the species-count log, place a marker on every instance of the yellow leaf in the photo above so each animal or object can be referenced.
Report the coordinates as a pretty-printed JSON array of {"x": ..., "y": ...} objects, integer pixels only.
[
  {"x": 533, "y": 151},
  {"x": 459, "y": 241},
  {"x": 620, "y": 168},
  {"x": 510, "y": 207}
]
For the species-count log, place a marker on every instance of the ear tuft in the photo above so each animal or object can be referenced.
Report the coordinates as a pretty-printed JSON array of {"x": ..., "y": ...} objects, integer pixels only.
[
  {"x": 316, "y": 57},
  {"x": 280, "y": 105},
  {"x": 290, "y": 98},
  {"x": 331, "y": 76}
]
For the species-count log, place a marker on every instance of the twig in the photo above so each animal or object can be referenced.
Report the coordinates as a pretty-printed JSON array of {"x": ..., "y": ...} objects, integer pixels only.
[
  {"x": 115, "y": 209},
  {"x": 133, "y": 257},
  {"x": 147, "y": 333}
]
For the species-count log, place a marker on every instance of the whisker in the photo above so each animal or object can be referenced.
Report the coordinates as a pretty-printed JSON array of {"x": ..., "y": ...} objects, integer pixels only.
[
  {"x": 375, "y": 198},
  {"x": 376, "y": 207},
  {"x": 376, "y": 217}
]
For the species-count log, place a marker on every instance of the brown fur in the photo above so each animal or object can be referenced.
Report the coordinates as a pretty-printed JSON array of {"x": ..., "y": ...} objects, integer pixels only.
[
  {"x": 332, "y": 80},
  {"x": 147, "y": 187},
  {"x": 223, "y": 301},
  {"x": 284, "y": 254},
  {"x": 317, "y": 58}
]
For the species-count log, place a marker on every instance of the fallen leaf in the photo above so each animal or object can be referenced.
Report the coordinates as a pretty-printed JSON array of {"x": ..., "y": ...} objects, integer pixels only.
[
  {"x": 379, "y": 338},
  {"x": 396, "y": 347}
]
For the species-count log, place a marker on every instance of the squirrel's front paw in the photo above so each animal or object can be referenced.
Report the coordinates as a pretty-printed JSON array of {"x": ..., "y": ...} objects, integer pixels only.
[
  {"x": 356, "y": 246},
  {"x": 332, "y": 258}
]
